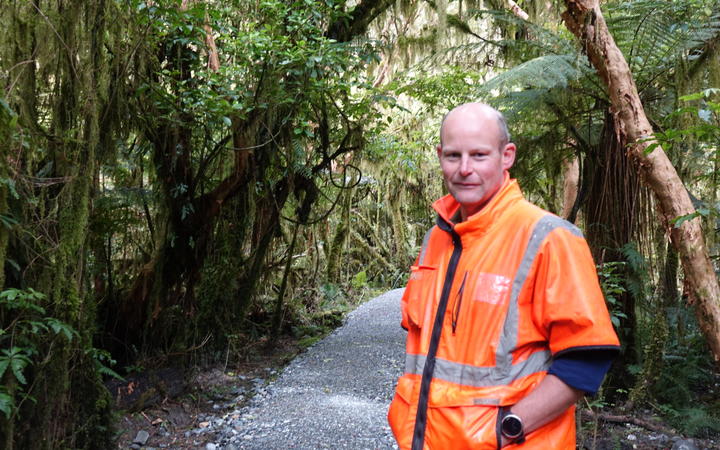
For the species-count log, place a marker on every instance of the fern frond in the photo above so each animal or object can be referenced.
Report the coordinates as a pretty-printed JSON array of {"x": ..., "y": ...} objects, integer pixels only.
[
  {"x": 544, "y": 72},
  {"x": 655, "y": 34}
]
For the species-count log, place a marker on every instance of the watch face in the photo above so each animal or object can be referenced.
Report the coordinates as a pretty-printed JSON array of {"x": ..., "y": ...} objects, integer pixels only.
[{"x": 511, "y": 426}]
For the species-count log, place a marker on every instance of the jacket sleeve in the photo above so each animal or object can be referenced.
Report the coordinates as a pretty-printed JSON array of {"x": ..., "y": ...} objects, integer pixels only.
[{"x": 568, "y": 304}]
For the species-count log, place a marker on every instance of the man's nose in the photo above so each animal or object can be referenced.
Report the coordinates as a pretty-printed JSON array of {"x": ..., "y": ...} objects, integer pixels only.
[{"x": 465, "y": 168}]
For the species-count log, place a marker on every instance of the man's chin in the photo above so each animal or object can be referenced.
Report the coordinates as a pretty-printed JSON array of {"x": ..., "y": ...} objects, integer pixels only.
[{"x": 467, "y": 201}]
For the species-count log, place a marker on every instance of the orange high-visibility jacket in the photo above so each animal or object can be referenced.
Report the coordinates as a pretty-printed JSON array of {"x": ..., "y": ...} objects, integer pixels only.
[{"x": 489, "y": 303}]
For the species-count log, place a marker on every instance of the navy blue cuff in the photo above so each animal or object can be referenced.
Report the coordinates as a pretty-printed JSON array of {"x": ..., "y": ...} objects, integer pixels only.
[{"x": 583, "y": 370}]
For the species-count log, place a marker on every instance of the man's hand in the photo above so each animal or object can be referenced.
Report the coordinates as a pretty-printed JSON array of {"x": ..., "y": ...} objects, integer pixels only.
[{"x": 546, "y": 402}]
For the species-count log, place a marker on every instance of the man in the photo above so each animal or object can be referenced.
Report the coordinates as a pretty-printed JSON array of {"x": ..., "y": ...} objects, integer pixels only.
[{"x": 507, "y": 326}]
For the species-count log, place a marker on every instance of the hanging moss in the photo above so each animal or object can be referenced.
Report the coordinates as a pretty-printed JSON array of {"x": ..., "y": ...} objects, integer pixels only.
[
  {"x": 58, "y": 52},
  {"x": 5, "y": 118},
  {"x": 340, "y": 237}
]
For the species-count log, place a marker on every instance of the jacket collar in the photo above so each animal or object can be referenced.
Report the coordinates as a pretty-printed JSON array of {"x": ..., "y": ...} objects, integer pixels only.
[{"x": 448, "y": 209}]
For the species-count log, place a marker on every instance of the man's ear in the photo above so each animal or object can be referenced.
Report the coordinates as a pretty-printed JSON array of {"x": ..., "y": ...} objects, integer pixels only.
[
  {"x": 508, "y": 156},
  {"x": 439, "y": 150}
]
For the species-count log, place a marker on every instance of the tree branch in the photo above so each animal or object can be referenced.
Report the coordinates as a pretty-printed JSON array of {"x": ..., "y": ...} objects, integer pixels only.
[{"x": 362, "y": 15}]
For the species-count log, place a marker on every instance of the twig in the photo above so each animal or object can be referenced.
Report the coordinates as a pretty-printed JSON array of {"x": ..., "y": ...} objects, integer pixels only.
[
  {"x": 146, "y": 417},
  {"x": 193, "y": 348},
  {"x": 590, "y": 415}
]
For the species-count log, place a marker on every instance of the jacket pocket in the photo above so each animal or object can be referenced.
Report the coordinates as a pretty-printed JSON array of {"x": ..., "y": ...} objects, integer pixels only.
[
  {"x": 462, "y": 427},
  {"x": 401, "y": 414},
  {"x": 418, "y": 299}
]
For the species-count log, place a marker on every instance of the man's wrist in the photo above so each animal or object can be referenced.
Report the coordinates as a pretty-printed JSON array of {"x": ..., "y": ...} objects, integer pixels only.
[{"x": 511, "y": 428}]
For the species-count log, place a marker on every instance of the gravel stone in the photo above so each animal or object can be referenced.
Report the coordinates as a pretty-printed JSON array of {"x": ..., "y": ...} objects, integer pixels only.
[
  {"x": 141, "y": 438},
  {"x": 684, "y": 444}
]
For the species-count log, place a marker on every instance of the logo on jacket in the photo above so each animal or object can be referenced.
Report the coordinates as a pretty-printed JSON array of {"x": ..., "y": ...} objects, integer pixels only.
[{"x": 491, "y": 288}]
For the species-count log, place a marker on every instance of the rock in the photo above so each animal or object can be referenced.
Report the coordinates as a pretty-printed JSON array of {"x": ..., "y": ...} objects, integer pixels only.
[
  {"x": 631, "y": 437},
  {"x": 684, "y": 444},
  {"x": 141, "y": 438},
  {"x": 210, "y": 446}
]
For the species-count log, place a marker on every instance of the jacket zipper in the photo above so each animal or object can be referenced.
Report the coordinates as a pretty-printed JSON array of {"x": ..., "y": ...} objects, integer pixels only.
[{"x": 418, "y": 440}]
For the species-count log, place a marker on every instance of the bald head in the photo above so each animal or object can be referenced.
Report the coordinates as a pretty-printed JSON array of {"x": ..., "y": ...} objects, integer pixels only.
[
  {"x": 474, "y": 154},
  {"x": 479, "y": 112}
]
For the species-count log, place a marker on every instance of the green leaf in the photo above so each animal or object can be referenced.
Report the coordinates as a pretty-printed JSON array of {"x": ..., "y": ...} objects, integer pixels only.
[
  {"x": 17, "y": 361},
  {"x": 649, "y": 149},
  {"x": 4, "y": 363},
  {"x": 105, "y": 370},
  {"x": 13, "y": 263},
  {"x": 691, "y": 97},
  {"x": 8, "y": 221},
  {"x": 36, "y": 326},
  {"x": 10, "y": 294},
  {"x": 17, "y": 365},
  {"x": 10, "y": 183},
  {"x": 676, "y": 222},
  {"x": 6, "y": 404},
  {"x": 60, "y": 327},
  {"x": 700, "y": 95}
]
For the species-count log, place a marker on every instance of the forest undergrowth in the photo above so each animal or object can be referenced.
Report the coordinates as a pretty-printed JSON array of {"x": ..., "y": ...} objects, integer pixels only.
[{"x": 204, "y": 187}]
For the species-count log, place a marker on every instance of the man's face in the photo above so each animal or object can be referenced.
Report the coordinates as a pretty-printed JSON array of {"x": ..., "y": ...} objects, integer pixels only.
[{"x": 471, "y": 159}]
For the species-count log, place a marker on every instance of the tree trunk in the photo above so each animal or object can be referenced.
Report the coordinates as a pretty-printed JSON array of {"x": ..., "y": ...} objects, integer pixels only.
[
  {"x": 4, "y": 211},
  {"x": 613, "y": 216},
  {"x": 340, "y": 237},
  {"x": 571, "y": 184},
  {"x": 584, "y": 19}
]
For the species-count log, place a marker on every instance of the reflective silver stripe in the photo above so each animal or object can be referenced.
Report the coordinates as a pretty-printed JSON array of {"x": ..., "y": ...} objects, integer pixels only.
[
  {"x": 475, "y": 376},
  {"x": 486, "y": 401},
  {"x": 508, "y": 338},
  {"x": 423, "y": 249}
]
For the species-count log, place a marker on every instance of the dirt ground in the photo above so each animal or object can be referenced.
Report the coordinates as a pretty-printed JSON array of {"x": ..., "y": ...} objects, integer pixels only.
[{"x": 172, "y": 420}]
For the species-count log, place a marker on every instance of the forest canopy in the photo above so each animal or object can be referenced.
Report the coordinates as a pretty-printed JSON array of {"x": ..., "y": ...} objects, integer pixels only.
[{"x": 184, "y": 181}]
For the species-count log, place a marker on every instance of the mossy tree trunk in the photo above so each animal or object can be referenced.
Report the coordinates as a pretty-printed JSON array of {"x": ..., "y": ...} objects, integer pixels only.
[
  {"x": 5, "y": 216},
  {"x": 65, "y": 43},
  {"x": 6, "y": 424},
  {"x": 342, "y": 231}
]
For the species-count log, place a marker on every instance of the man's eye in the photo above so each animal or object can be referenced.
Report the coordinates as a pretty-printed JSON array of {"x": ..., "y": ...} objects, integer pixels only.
[{"x": 452, "y": 156}]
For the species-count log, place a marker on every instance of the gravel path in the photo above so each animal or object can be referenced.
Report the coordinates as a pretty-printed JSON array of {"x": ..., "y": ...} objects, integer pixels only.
[{"x": 335, "y": 395}]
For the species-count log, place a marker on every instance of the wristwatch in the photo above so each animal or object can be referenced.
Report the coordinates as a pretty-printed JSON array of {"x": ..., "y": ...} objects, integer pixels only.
[{"x": 512, "y": 428}]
